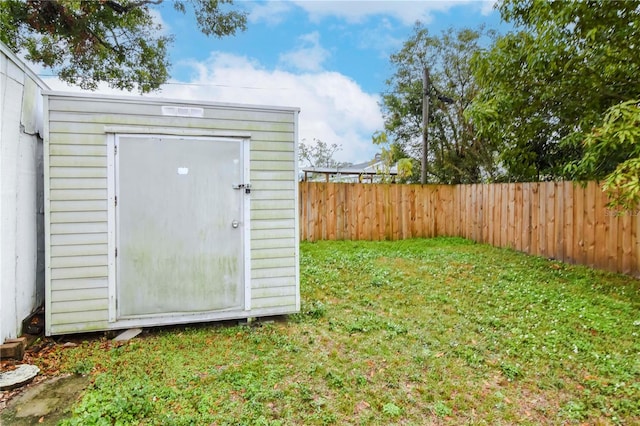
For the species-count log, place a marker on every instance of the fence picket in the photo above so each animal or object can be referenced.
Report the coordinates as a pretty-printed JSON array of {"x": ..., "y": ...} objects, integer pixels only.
[
  {"x": 579, "y": 248},
  {"x": 526, "y": 216},
  {"x": 589, "y": 227},
  {"x": 550, "y": 214},
  {"x": 568, "y": 222},
  {"x": 516, "y": 228}
]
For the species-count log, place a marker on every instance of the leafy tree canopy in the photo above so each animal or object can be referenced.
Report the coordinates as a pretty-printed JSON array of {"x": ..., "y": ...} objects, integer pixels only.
[
  {"x": 319, "y": 153},
  {"x": 113, "y": 41},
  {"x": 612, "y": 151},
  {"x": 550, "y": 82},
  {"x": 455, "y": 153}
]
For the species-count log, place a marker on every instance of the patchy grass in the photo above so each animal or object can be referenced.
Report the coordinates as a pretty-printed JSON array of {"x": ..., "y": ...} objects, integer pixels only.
[{"x": 439, "y": 331}]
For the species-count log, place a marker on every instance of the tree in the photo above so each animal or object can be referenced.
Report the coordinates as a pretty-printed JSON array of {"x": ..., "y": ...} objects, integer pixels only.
[
  {"x": 319, "y": 153},
  {"x": 455, "y": 153},
  {"x": 612, "y": 151},
  {"x": 392, "y": 153},
  {"x": 547, "y": 84},
  {"x": 113, "y": 41}
]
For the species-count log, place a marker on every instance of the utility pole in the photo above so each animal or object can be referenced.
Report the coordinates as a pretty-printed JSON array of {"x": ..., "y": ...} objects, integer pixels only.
[{"x": 425, "y": 125}]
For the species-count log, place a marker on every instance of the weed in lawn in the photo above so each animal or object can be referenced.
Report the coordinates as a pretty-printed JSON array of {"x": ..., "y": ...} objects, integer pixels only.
[
  {"x": 334, "y": 380},
  {"x": 361, "y": 380},
  {"x": 380, "y": 278},
  {"x": 574, "y": 410},
  {"x": 441, "y": 409},
  {"x": 391, "y": 409},
  {"x": 407, "y": 332},
  {"x": 315, "y": 310},
  {"x": 510, "y": 371},
  {"x": 82, "y": 367},
  {"x": 110, "y": 403}
]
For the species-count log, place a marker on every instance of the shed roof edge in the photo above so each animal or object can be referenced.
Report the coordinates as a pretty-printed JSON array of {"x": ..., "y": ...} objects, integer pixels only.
[{"x": 160, "y": 100}]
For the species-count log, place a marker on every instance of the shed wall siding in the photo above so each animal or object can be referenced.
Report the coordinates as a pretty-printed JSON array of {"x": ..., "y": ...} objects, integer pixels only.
[{"x": 77, "y": 201}]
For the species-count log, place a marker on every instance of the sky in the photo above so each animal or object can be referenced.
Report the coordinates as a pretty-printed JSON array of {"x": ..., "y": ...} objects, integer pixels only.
[{"x": 329, "y": 58}]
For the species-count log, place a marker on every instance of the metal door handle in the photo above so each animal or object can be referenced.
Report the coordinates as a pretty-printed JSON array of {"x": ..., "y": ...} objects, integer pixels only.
[{"x": 235, "y": 224}]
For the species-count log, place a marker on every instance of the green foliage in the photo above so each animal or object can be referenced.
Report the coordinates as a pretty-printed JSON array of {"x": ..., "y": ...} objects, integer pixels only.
[
  {"x": 113, "y": 404},
  {"x": 548, "y": 83},
  {"x": 117, "y": 42},
  {"x": 393, "y": 153},
  {"x": 421, "y": 331},
  {"x": 391, "y": 409},
  {"x": 614, "y": 146},
  {"x": 315, "y": 309},
  {"x": 83, "y": 366},
  {"x": 406, "y": 167},
  {"x": 455, "y": 152},
  {"x": 511, "y": 371},
  {"x": 575, "y": 410},
  {"x": 441, "y": 409}
]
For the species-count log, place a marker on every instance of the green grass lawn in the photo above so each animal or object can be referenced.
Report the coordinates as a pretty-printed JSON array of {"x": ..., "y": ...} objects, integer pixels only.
[{"x": 440, "y": 331}]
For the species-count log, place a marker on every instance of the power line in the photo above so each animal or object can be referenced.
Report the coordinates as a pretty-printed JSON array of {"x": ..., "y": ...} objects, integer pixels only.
[
  {"x": 202, "y": 84},
  {"x": 229, "y": 86}
]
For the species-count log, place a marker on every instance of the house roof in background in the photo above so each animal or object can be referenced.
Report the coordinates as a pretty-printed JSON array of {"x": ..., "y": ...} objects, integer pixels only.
[{"x": 348, "y": 170}]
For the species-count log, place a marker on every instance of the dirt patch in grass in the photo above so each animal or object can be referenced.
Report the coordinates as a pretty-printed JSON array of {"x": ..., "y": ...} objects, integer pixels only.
[{"x": 45, "y": 402}]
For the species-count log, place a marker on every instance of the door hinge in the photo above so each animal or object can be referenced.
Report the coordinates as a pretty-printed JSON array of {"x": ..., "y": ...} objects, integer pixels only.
[
  {"x": 115, "y": 202},
  {"x": 115, "y": 149},
  {"x": 116, "y": 252}
]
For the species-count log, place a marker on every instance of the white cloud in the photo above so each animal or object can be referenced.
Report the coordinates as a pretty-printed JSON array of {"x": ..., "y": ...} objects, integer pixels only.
[
  {"x": 378, "y": 38},
  {"x": 488, "y": 6},
  {"x": 353, "y": 11},
  {"x": 334, "y": 108},
  {"x": 309, "y": 56},
  {"x": 272, "y": 12}
]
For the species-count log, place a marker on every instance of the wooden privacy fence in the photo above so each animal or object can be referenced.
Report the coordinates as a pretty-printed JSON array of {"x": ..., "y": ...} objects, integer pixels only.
[{"x": 559, "y": 220}]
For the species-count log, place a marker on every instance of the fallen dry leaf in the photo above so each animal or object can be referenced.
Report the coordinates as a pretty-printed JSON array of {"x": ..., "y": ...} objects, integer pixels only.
[{"x": 361, "y": 406}]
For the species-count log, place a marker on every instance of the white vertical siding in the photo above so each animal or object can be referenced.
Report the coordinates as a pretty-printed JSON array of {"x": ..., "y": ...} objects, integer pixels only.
[
  {"x": 77, "y": 213},
  {"x": 21, "y": 290}
]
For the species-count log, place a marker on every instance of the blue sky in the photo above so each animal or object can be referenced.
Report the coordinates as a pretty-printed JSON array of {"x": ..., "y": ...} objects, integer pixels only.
[{"x": 330, "y": 58}]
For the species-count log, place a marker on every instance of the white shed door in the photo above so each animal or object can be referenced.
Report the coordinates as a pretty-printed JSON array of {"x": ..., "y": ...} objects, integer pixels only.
[{"x": 179, "y": 225}]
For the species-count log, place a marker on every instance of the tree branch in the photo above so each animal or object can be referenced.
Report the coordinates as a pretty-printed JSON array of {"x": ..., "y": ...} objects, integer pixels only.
[{"x": 129, "y": 7}]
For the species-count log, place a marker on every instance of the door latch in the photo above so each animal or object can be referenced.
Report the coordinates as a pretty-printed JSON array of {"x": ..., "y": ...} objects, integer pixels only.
[{"x": 245, "y": 186}]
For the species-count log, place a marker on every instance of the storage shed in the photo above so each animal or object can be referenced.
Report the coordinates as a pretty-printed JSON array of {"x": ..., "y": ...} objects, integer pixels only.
[{"x": 165, "y": 212}]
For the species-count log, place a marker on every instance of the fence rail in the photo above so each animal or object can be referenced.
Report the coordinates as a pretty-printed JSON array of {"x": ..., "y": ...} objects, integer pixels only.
[{"x": 559, "y": 220}]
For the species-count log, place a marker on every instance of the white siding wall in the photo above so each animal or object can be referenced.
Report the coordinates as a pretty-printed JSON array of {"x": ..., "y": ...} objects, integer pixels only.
[
  {"x": 76, "y": 200},
  {"x": 21, "y": 289}
]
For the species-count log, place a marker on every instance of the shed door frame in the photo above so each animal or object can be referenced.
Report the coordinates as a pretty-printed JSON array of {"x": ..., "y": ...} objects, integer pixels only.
[{"x": 112, "y": 224}]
